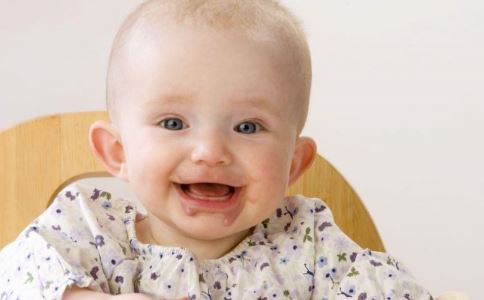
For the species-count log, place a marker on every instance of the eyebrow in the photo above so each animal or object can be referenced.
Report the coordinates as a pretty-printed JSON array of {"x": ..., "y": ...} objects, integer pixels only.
[
  {"x": 169, "y": 98},
  {"x": 254, "y": 101},
  {"x": 258, "y": 102}
]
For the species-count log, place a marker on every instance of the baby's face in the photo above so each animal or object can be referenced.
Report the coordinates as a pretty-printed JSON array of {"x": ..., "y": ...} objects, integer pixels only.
[{"x": 208, "y": 129}]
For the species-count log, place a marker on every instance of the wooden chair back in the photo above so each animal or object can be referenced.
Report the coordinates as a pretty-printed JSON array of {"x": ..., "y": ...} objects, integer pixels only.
[{"x": 41, "y": 156}]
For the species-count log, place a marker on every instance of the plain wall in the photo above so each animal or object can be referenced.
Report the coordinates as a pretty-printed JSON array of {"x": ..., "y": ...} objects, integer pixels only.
[{"x": 397, "y": 106}]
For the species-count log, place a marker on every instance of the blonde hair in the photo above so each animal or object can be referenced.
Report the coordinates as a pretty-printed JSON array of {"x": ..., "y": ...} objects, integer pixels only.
[{"x": 259, "y": 19}]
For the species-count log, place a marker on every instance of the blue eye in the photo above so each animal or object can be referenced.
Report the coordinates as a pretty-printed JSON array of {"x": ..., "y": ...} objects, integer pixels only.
[
  {"x": 248, "y": 127},
  {"x": 172, "y": 124}
]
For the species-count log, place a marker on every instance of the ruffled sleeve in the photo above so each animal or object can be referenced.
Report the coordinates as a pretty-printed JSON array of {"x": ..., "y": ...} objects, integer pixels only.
[
  {"x": 32, "y": 268},
  {"x": 61, "y": 248},
  {"x": 343, "y": 270},
  {"x": 376, "y": 275}
]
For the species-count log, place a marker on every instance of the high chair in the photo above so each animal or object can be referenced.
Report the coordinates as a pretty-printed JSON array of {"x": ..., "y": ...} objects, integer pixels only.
[{"x": 40, "y": 157}]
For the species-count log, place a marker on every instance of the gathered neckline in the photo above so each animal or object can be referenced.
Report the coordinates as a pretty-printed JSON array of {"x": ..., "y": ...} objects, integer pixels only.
[{"x": 256, "y": 233}]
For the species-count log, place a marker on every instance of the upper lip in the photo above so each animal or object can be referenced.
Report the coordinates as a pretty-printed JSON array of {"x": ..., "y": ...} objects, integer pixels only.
[
  {"x": 191, "y": 176},
  {"x": 208, "y": 181}
]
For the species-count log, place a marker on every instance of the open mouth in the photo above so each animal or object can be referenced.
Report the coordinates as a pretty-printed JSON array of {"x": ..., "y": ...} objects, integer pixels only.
[
  {"x": 210, "y": 197},
  {"x": 207, "y": 191}
]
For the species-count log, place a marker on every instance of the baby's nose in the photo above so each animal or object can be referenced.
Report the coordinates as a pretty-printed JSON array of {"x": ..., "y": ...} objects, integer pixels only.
[{"x": 211, "y": 150}]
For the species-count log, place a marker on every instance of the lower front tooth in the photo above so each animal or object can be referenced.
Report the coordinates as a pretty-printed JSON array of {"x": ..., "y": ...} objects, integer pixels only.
[{"x": 189, "y": 211}]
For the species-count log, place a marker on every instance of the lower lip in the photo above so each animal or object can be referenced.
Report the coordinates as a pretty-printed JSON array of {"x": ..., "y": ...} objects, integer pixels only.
[{"x": 208, "y": 205}]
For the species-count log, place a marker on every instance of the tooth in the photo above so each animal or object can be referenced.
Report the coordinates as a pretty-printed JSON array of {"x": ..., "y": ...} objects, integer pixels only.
[{"x": 190, "y": 211}]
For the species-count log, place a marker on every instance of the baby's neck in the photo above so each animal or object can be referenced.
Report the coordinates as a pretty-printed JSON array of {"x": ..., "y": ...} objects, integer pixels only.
[{"x": 202, "y": 249}]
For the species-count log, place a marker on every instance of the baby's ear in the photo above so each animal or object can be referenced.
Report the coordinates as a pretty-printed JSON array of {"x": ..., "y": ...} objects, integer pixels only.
[
  {"x": 106, "y": 145},
  {"x": 304, "y": 154}
]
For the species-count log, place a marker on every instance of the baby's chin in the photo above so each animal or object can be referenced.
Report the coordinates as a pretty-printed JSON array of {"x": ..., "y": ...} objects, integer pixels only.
[{"x": 210, "y": 227}]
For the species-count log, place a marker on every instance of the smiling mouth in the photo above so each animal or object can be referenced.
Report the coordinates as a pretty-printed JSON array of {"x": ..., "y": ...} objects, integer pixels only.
[{"x": 209, "y": 197}]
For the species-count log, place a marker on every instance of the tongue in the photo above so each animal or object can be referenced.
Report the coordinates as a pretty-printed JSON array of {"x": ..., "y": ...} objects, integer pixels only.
[{"x": 208, "y": 189}]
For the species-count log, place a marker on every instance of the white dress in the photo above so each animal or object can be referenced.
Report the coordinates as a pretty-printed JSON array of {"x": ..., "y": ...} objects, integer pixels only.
[{"x": 87, "y": 238}]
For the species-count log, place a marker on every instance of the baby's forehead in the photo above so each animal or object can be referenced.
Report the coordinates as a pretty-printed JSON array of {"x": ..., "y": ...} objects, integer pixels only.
[{"x": 247, "y": 93}]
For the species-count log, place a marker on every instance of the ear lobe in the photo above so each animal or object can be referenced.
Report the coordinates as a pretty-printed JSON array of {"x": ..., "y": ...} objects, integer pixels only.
[
  {"x": 106, "y": 145},
  {"x": 304, "y": 155}
]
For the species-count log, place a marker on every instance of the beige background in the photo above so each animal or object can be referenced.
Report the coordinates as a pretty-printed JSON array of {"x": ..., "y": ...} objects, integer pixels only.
[{"x": 397, "y": 106}]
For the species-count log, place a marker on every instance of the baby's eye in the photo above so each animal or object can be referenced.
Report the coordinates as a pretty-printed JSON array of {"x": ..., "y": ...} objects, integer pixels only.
[
  {"x": 172, "y": 124},
  {"x": 248, "y": 127}
]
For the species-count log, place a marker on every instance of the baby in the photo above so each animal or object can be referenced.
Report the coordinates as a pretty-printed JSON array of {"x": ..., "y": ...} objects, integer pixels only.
[{"x": 207, "y": 100}]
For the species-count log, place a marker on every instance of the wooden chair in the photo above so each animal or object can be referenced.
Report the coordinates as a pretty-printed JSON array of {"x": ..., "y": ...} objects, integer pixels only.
[{"x": 41, "y": 156}]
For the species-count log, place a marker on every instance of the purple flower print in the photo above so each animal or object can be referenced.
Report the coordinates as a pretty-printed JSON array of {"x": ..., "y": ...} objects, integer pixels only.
[
  {"x": 154, "y": 276},
  {"x": 320, "y": 208},
  {"x": 168, "y": 286},
  {"x": 389, "y": 274},
  {"x": 348, "y": 291},
  {"x": 284, "y": 260},
  {"x": 95, "y": 194},
  {"x": 266, "y": 264},
  {"x": 119, "y": 279},
  {"x": 128, "y": 209},
  {"x": 70, "y": 195},
  {"x": 353, "y": 256},
  {"x": 94, "y": 271},
  {"x": 331, "y": 274},
  {"x": 291, "y": 210},
  {"x": 362, "y": 296},
  {"x": 375, "y": 263},
  {"x": 324, "y": 225},
  {"x": 31, "y": 228},
  {"x": 322, "y": 261},
  {"x": 107, "y": 204},
  {"x": 98, "y": 241},
  {"x": 293, "y": 250}
]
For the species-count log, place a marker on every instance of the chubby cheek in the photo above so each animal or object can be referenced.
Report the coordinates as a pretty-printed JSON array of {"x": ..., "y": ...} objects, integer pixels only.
[
  {"x": 147, "y": 165},
  {"x": 270, "y": 171}
]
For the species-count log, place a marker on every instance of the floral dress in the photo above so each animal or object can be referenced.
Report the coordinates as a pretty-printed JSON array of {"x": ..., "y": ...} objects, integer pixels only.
[{"x": 87, "y": 238}]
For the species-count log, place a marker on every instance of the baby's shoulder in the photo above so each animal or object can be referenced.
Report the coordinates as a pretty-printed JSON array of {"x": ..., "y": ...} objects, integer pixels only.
[
  {"x": 79, "y": 235},
  {"x": 299, "y": 209},
  {"x": 308, "y": 207},
  {"x": 81, "y": 214},
  {"x": 300, "y": 217},
  {"x": 80, "y": 198},
  {"x": 82, "y": 204}
]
